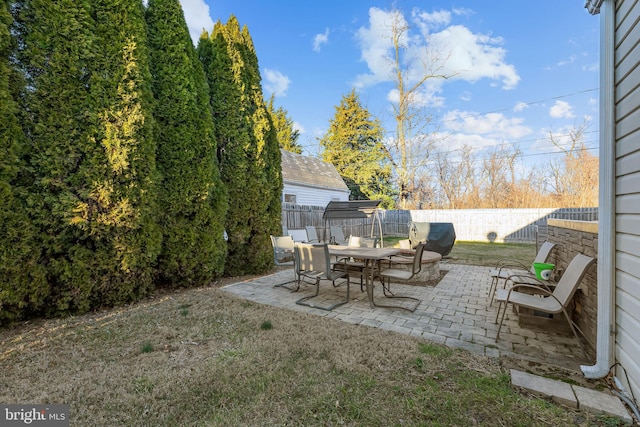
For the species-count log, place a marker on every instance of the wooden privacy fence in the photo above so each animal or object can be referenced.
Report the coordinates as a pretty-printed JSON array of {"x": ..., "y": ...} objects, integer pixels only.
[{"x": 481, "y": 225}]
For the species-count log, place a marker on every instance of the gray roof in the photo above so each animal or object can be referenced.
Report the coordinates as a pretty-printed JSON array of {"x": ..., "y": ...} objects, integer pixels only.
[{"x": 303, "y": 170}]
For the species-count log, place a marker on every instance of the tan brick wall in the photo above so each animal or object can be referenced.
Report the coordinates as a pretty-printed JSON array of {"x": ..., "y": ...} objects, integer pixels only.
[{"x": 571, "y": 238}]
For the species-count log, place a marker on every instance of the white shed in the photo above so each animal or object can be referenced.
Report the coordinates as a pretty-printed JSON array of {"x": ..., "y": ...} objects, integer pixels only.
[
  {"x": 618, "y": 330},
  {"x": 311, "y": 182}
]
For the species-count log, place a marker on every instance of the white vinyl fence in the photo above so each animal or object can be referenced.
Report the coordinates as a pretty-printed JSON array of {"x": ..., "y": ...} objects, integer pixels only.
[{"x": 482, "y": 225}]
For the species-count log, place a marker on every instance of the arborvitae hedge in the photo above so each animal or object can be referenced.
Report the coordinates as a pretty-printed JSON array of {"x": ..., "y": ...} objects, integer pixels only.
[
  {"x": 119, "y": 209},
  {"x": 193, "y": 202},
  {"x": 232, "y": 136},
  {"x": 23, "y": 285},
  {"x": 85, "y": 158},
  {"x": 92, "y": 152},
  {"x": 59, "y": 45},
  {"x": 246, "y": 146},
  {"x": 268, "y": 167}
]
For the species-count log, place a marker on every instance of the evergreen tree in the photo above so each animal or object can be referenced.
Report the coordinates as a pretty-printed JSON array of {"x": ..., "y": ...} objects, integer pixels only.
[
  {"x": 354, "y": 145},
  {"x": 193, "y": 201},
  {"x": 118, "y": 209},
  {"x": 247, "y": 147},
  {"x": 268, "y": 169},
  {"x": 23, "y": 286},
  {"x": 287, "y": 135},
  {"x": 58, "y": 43}
]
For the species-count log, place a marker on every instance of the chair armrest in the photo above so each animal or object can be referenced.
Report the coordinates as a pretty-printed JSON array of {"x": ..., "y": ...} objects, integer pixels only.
[
  {"x": 397, "y": 259},
  {"x": 508, "y": 262},
  {"x": 545, "y": 292},
  {"x": 540, "y": 284}
]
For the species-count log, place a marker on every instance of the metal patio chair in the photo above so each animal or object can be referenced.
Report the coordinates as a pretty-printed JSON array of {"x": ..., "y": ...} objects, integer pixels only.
[
  {"x": 313, "y": 261},
  {"x": 514, "y": 271},
  {"x": 356, "y": 265},
  {"x": 312, "y": 234},
  {"x": 540, "y": 299},
  {"x": 402, "y": 275},
  {"x": 283, "y": 254}
]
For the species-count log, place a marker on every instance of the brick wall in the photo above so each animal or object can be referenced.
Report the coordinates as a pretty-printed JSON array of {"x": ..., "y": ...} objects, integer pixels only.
[{"x": 571, "y": 238}]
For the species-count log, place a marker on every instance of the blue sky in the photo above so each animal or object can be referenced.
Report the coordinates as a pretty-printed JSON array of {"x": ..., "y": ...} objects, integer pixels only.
[{"x": 520, "y": 70}]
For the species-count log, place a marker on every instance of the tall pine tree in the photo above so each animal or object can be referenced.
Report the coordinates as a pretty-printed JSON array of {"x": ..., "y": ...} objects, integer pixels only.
[
  {"x": 247, "y": 146},
  {"x": 354, "y": 145},
  {"x": 193, "y": 202},
  {"x": 23, "y": 286}
]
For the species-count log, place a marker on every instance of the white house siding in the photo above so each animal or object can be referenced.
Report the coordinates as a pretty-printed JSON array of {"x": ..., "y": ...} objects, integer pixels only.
[
  {"x": 314, "y": 196},
  {"x": 627, "y": 184}
]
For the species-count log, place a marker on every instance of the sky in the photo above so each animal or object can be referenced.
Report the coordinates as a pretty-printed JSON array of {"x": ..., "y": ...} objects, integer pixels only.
[{"x": 517, "y": 71}]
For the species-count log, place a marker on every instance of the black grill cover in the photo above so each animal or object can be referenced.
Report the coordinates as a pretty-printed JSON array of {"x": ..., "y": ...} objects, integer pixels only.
[{"x": 438, "y": 236}]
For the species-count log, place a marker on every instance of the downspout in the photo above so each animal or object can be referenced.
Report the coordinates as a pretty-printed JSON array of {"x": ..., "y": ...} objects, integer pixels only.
[{"x": 606, "y": 226}]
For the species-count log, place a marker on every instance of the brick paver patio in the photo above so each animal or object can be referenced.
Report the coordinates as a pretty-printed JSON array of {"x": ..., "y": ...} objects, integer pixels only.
[{"x": 455, "y": 313}]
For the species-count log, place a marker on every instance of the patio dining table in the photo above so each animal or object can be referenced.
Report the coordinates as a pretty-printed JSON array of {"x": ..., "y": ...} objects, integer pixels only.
[{"x": 371, "y": 256}]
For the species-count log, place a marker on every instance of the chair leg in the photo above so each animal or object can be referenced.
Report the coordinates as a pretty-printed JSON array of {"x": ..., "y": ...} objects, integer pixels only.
[
  {"x": 502, "y": 318},
  {"x": 492, "y": 289},
  {"x": 573, "y": 329},
  {"x": 303, "y": 300},
  {"x": 296, "y": 280},
  {"x": 386, "y": 290}
]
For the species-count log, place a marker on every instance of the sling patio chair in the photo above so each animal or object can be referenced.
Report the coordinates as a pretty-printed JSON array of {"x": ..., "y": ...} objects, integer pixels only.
[
  {"x": 283, "y": 254},
  {"x": 312, "y": 234},
  {"x": 312, "y": 261},
  {"x": 542, "y": 300},
  {"x": 514, "y": 271},
  {"x": 358, "y": 266},
  {"x": 402, "y": 275},
  {"x": 337, "y": 235}
]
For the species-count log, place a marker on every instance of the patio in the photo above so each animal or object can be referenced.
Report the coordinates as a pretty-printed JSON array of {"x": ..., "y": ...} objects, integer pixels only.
[{"x": 455, "y": 313}]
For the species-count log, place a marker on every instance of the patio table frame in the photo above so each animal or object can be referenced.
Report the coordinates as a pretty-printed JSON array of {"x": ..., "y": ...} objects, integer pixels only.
[{"x": 370, "y": 257}]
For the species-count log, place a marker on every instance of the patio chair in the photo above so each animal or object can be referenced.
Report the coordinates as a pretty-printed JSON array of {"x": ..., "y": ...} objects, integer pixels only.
[
  {"x": 312, "y": 234},
  {"x": 544, "y": 300},
  {"x": 298, "y": 235},
  {"x": 514, "y": 271},
  {"x": 402, "y": 275},
  {"x": 283, "y": 254},
  {"x": 337, "y": 235},
  {"x": 313, "y": 261},
  {"x": 356, "y": 265}
]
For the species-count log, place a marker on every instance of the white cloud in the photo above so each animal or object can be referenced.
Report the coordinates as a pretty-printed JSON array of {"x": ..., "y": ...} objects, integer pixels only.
[
  {"x": 454, "y": 51},
  {"x": 570, "y": 60},
  {"x": 493, "y": 125},
  {"x": 428, "y": 21},
  {"x": 475, "y": 56},
  {"x": 320, "y": 39},
  {"x": 561, "y": 110},
  {"x": 297, "y": 126},
  {"x": 376, "y": 44},
  {"x": 454, "y": 144},
  {"x": 196, "y": 13},
  {"x": 466, "y": 96},
  {"x": 520, "y": 106},
  {"x": 419, "y": 99},
  {"x": 275, "y": 82}
]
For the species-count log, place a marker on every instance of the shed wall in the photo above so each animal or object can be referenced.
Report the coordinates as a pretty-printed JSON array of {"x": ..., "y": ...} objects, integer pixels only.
[{"x": 314, "y": 196}]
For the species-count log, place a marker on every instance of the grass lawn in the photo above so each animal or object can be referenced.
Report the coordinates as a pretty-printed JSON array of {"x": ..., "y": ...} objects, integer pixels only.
[
  {"x": 476, "y": 253},
  {"x": 201, "y": 357},
  {"x": 479, "y": 253}
]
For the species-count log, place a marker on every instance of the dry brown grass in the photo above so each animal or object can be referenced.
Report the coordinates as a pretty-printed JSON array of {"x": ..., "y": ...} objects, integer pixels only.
[{"x": 203, "y": 357}]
